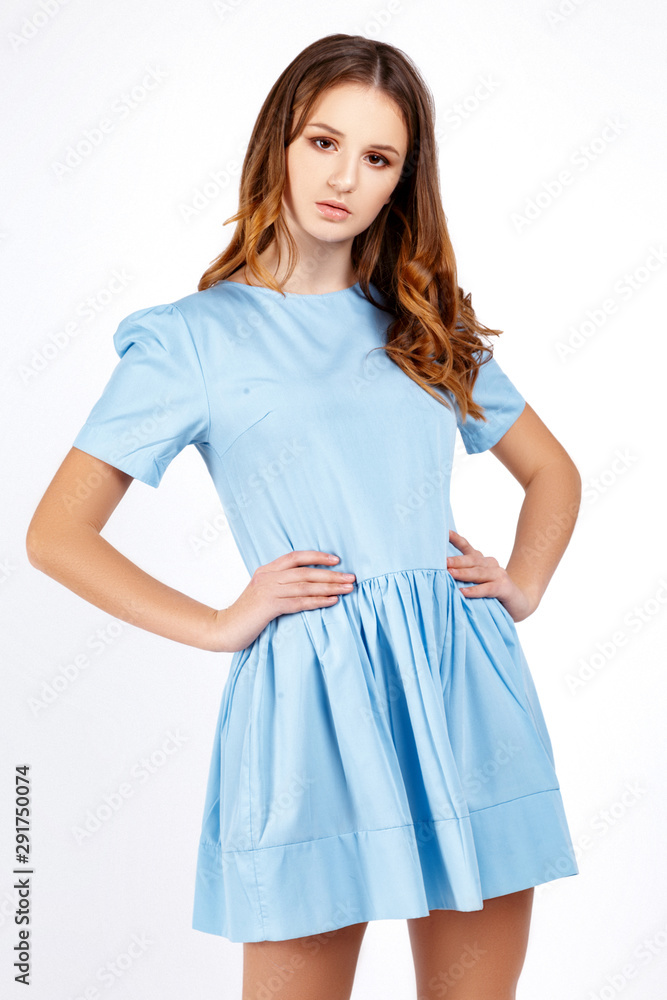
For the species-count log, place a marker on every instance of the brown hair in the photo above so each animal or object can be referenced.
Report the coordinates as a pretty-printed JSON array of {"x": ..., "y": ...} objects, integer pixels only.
[{"x": 406, "y": 252}]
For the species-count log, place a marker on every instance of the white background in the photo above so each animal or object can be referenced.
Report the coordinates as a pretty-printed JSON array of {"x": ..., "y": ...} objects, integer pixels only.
[{"x": 553, "y": 83}]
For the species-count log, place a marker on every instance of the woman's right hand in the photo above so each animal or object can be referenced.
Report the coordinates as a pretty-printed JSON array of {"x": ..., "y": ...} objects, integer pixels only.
[{"x": 287, "y": 584}]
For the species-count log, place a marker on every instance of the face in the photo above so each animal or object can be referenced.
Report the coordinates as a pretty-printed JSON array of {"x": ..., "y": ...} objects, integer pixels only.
[{"x": 351, "y": 151}]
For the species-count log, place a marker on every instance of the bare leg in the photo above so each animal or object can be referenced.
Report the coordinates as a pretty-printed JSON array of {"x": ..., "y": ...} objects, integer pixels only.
[
  {"x": 475, "y": 954},
  {"x": 318, "y": 966}
]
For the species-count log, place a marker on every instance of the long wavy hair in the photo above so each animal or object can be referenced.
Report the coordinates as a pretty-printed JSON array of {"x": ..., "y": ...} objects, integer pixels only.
[{"x": 406, "y": 252}]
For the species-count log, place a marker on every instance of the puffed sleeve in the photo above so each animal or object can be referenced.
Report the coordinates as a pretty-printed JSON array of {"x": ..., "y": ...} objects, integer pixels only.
[
  {"x": 502, "y": 403},
  {"x": 155, "y": 402}
]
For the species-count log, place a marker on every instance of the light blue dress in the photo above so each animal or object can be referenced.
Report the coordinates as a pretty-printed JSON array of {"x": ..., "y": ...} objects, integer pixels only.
[{"x": 385, "y": 755}]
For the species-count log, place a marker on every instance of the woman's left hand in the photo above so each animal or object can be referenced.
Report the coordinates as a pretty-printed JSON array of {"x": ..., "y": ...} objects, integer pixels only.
[{"x": 488, "y": 577}]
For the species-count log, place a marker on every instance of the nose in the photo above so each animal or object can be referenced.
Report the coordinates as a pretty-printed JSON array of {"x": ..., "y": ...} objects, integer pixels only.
[{"x": 344, "y": 177}]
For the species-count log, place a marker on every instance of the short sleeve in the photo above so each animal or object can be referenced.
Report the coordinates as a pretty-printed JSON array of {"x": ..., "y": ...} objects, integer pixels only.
[
  {"x": 155, "y": 402},
  {"x": 502, "y": 403}
]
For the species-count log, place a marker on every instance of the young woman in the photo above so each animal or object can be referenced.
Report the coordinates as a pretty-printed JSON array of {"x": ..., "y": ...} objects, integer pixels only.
[{"x": 380, "y": 751}]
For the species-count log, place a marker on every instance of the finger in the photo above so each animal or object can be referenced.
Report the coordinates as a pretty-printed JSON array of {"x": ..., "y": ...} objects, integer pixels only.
[
  {"x": 303, "y": 557},
  {"x": 293, "y": 585},
  {"x": 302, "y": 591},
  {"x": 480, "y": 590},
  {"x": 457, "y": 536},
  {"x": 303, "y": 603},
  {"x": 462, "y": 543},
  {"x": 313, "y": 575},
  {"x": 473, "y": 557},
  {"x": 461, "y": 561},
  {"x": 483, "y": 574}
]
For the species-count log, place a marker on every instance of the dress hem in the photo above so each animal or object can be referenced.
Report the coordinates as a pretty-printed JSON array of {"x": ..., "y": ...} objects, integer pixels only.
[{"x": 400, "y": 872}]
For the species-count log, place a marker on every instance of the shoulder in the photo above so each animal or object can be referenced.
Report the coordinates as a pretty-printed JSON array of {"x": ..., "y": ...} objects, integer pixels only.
[
  {"x": 150, "y": 328},
  {"x": 196, "y": 304},
  {"x": 170, "y": 325}
]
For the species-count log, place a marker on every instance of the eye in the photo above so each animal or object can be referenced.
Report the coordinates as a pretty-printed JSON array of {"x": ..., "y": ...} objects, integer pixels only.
[{"x": 384, "y": 160}]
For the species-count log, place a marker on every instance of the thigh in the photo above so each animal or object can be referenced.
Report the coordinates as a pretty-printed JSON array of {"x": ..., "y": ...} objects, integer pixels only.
[
  {"x": 318, "y": 965},
  {"x": 475, "y": 954}
]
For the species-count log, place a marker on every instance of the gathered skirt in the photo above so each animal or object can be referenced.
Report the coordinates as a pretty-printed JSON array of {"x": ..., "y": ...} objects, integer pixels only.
[{"x": 377, "y": 759}]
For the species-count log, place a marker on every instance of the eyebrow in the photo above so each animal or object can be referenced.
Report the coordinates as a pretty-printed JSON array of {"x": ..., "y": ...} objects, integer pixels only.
[{"x": 330, "y": 128}]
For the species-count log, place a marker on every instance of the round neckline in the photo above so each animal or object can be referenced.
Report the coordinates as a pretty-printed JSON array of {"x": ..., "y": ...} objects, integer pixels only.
[{"x": 292, "y": 295}]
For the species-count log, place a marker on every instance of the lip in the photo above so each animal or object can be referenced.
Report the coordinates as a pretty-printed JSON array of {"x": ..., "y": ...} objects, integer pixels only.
[{"x": 335, "y": 204}]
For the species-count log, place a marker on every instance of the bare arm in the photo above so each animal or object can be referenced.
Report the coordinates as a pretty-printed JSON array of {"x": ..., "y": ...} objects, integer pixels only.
[
  {"x": 548, "y": 514},
  {"x": 64, "y": 541},
  {"x": 552, "y": 487}
]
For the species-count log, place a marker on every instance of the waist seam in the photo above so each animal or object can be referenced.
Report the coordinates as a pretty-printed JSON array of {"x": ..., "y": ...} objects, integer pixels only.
[{"x": 412, "y": 569}]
